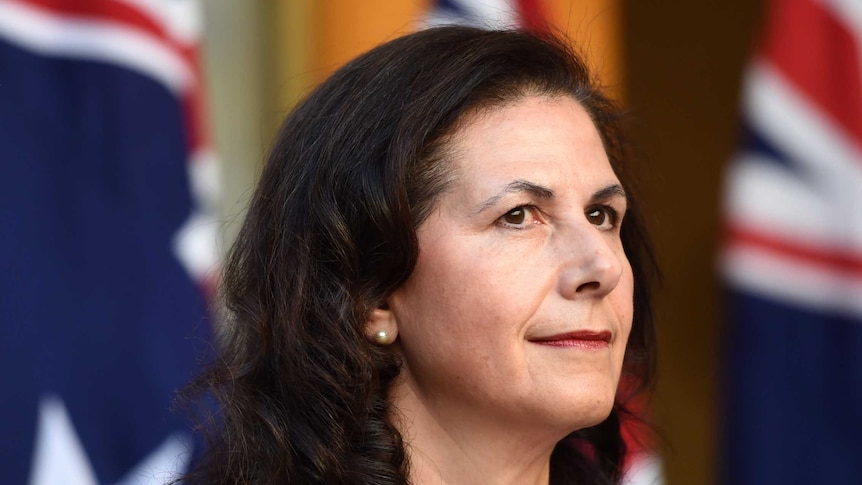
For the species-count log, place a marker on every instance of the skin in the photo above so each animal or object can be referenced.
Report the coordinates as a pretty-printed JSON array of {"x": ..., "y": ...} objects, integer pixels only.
[{"x": 523, "y": 247}]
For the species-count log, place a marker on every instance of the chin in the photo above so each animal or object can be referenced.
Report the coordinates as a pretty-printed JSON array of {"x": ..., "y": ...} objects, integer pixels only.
[
  {"x": 587, "y": 409},
  {"x": 552, "y": 424},
  {"x": 598, "y": 414}
]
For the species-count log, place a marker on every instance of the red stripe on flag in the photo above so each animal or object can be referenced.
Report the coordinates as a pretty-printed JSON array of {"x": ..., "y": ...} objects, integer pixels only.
[
  {"x": 119, "y": 13},
  {"x": 531, "y": 15},
  {"x": 816, "y": 53},
  {"x": 137, "y": 20},
  {"x": 638, "y": 434},
  {"x": 834, "y": 260}
]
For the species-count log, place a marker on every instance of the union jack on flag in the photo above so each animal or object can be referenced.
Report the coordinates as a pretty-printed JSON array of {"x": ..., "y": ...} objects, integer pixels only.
[
  {"x": 792, "y": 258},
  {"x": 499, "y": 14},
  {"x": 106, "y": 186}
]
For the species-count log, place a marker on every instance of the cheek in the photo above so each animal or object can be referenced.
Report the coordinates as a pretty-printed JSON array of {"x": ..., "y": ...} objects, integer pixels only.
[
  {"x": 464, "y": 304},
  {"x": 452, "y": 295},
  {"x": 623, "y": 303},
  {"x": 468, "y": 279}
]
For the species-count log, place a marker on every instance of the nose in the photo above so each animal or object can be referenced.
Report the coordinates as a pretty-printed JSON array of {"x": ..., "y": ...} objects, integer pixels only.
[{"x": 592, "y": 267}]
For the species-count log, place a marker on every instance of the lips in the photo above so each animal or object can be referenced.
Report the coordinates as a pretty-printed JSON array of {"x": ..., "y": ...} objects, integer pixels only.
[{"x": 585, "y": 339}]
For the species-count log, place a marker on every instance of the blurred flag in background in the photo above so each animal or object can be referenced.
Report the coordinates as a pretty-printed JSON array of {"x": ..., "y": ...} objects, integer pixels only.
[
  {"x": 106, "y": 181},
  {"x": 500, "y": 14},
  {"x": 793, "y": 254}
]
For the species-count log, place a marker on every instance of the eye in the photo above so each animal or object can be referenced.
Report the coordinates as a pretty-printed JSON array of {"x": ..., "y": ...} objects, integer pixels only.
[
  {"x": 520, "y": 217},
  {"x": 604, "y": 216}
]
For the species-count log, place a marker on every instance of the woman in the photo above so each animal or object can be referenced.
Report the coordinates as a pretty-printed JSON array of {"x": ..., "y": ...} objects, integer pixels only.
[{"x": 437, "y": 278}]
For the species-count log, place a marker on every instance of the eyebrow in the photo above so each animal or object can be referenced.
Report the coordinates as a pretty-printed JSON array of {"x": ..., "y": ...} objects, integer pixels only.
[
  {"x": 542, "y": 192},
  {"x": 516, "y": 186},
  {"x": 613, "y": 190}
]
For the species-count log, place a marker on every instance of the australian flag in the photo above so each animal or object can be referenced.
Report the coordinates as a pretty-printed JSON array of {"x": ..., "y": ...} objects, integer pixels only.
[
  {"x": 499, "y": 14},
  {"x": 105, "y": 245},
  {"x": 792, "y": 259}
]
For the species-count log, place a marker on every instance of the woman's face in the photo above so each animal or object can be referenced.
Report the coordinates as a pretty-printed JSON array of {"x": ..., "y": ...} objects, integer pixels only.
[{"x": 520, "y": 304}]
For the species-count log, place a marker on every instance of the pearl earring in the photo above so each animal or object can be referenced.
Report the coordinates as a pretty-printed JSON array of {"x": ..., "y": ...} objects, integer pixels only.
[{"x": 381, "y": 337}]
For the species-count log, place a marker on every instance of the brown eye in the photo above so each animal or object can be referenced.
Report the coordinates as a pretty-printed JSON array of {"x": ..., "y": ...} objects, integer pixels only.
[
  {"x": 516, "y": 216},
  {"x": 602, "y": 216}
]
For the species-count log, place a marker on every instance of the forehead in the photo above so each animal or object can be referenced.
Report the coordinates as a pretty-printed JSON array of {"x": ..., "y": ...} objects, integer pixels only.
[{"x": 549, "y": 139}]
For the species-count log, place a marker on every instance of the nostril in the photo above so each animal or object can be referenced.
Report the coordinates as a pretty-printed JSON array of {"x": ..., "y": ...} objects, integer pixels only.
[{"x": 592, "y": 285}]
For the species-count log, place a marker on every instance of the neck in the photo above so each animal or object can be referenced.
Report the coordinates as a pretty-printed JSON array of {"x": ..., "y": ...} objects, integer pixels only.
[{"x": 447, "y": 447}]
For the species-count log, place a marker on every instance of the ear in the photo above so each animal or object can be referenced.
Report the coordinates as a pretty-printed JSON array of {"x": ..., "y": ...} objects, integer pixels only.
[{"x": 380, "y": 326}]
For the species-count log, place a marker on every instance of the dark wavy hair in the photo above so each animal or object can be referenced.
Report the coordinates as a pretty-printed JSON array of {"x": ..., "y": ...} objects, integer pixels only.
[{"x": 331, "y": 233}]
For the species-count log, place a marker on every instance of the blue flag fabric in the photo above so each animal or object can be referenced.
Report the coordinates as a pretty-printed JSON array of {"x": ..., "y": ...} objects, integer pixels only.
[
  {"x": 792, "y": 259},
  {"x": 98, "y": 317}
]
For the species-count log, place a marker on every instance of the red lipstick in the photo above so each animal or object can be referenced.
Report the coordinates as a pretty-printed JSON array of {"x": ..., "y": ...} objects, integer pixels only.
[{"x": 585, "y": 339}]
